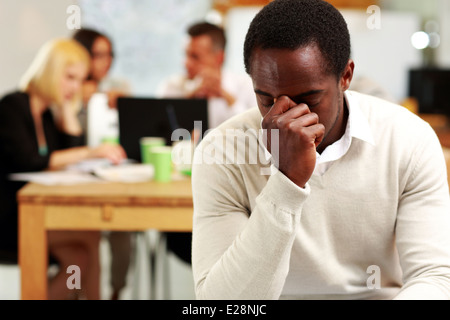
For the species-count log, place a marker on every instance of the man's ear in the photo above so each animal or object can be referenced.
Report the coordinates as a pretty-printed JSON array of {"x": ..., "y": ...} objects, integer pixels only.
[
  {"x": 347, "y": 75},
  {"x": 220, "y": 57}
]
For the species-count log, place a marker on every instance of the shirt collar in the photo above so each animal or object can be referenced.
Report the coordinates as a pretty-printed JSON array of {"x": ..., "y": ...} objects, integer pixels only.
[
  {"x": 358, "y": 124},
  {"x": 357, "y": 127}
]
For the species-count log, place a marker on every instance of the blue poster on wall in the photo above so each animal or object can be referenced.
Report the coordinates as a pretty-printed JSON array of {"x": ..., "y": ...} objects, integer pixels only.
[{"x": 148, "y": 36}]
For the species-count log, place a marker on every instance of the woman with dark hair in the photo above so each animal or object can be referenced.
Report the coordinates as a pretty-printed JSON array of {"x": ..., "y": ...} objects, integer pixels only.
[
  {"x": 101, "y": 51},
  {"x": 100, "y": 48}
]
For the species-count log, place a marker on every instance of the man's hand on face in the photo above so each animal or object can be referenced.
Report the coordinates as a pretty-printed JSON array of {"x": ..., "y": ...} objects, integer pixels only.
[
  {"x": 299, "y": 135},
  {"x": 210, "y": 85}
]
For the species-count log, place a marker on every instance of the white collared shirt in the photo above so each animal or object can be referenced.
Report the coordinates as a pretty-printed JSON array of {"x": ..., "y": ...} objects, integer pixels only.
[
  {"x": 238, "y": 85},
  {"x": 357, "y": 127}
]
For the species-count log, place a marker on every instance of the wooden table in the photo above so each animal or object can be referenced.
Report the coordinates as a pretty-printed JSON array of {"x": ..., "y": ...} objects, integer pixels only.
[
  {"x": 440, "y": 124},
  {"x": 96, "y": 206}
]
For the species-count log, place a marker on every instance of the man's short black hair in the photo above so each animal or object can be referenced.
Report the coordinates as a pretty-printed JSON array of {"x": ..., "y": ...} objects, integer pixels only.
[
  {"x": 292, "y": 24},
  {"x": 216, "y": 33}
]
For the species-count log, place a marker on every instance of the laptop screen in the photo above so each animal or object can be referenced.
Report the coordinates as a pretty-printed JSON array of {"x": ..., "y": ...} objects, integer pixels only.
[{"x": 152, "y": 117}]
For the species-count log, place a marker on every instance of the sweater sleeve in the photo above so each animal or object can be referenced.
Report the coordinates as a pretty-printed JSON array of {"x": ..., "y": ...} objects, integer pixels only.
[
  {"x": 237, "y": 254},
  {"x": 423, "y": 224}
]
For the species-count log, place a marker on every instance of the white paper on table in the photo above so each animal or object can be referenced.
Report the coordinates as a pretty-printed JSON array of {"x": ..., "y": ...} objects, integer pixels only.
[
  {"x": 56, "y": 177},
  {"x": 89, "y": 165},
  {"x": 134, "y": 172},
  {"x": 90, "y": 171}
]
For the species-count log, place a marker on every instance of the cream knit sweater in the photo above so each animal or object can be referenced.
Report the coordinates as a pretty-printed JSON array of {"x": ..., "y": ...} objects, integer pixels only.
[{"x": 375, "y": 225}]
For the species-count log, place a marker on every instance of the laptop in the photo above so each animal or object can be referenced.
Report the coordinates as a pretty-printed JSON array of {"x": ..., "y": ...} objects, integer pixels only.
[{"x": 172, "y": 119}]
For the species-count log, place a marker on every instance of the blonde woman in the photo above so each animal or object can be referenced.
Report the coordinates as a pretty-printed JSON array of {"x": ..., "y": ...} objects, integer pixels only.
[{"x": 39, "y": 130}]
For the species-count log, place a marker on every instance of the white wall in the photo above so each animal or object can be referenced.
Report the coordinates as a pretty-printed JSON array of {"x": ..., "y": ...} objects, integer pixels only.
[
  {"x": 24, "y": 26},
  {"x": 236, "y": 24},
  {"x": 430, "y": 10},
  {"x": 384, "y": 55},
  {"x": 443, "y": 52}
]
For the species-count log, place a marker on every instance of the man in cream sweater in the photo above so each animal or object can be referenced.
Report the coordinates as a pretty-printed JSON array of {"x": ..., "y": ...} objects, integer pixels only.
[{"x": 320, "y": 192}]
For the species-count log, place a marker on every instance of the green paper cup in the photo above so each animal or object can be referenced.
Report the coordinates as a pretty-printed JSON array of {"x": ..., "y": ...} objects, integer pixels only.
[
  {"x": 182, "y": 154},
  {"x": 162, "y": 162},
  {"x": 146, "y": 144},
  {"x": 111, "y": 140}
]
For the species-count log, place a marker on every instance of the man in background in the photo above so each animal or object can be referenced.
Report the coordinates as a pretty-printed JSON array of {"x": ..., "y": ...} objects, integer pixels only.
[{"x": 228, "y": 94}]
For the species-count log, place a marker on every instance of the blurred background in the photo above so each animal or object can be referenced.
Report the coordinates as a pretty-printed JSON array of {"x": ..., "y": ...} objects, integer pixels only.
[{"x": 149, "y": 35}]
